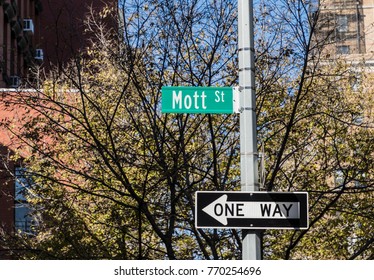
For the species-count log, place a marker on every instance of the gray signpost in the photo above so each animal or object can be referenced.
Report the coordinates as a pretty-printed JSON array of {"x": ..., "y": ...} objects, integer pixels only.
[
  {"x": 249, "y": 210},
  {"x": 251, "y": 245}
]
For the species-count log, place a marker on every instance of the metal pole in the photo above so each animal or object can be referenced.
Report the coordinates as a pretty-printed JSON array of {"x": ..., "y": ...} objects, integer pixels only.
[{"x": 251, "y": 245}]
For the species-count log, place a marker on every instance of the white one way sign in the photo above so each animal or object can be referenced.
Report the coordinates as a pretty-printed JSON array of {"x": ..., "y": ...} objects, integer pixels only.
[{"x": 251, "y": 210}]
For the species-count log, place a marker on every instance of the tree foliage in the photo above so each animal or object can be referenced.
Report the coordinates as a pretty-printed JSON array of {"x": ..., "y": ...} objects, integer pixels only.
[{"x": 114, "y": 178}]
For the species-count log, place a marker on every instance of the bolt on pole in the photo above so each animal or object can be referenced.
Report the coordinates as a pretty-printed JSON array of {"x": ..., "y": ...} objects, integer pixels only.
[{"x": 251, "y": 244}]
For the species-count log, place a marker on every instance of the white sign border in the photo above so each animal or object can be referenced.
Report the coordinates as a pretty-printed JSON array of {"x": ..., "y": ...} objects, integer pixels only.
[{"x": 223, "y": 227}]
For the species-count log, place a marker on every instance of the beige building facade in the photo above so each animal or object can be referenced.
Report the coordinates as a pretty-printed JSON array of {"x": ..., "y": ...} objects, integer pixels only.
[{"x": 348, "y": 27}]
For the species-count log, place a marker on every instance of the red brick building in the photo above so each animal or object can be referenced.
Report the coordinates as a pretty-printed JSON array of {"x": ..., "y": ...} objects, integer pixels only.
[
  {"x": 7, "y": 190},
  {"x": 13, "y": 206},
  {"x": 34, "y": 34},
  {"x": 39, "y": 32},
  {"x": 20, "y": 47}
]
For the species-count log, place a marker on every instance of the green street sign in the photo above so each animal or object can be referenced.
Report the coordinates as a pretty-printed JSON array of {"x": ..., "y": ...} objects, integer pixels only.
[{"x": 201, "y": 100}]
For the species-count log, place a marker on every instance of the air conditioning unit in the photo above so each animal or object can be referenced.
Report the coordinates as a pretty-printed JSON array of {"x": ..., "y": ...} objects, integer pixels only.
[
  {"x": 28, "y": 25},
  {"x": 39, "y": 54},
  {"x": 14, "y": 81}
]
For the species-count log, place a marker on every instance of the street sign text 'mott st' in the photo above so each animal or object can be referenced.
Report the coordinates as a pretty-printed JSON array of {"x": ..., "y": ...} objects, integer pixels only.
[
  {"x": 252, "y": 210},
  {"x": 201, "y": 100}
]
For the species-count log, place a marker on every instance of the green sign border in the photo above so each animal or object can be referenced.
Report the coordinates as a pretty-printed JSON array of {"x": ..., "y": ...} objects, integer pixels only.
[{"x": 212, "y": 106}]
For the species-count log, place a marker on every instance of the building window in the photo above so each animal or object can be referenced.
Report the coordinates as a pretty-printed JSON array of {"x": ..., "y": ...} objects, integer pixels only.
[
  {"x": 342, "y": 23},
  {"x": 356, "y": 81},
  {"x": 342, "y": 49},
  {"x": 23, "y": 220},
  {"x": 339, "y": 179}
]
